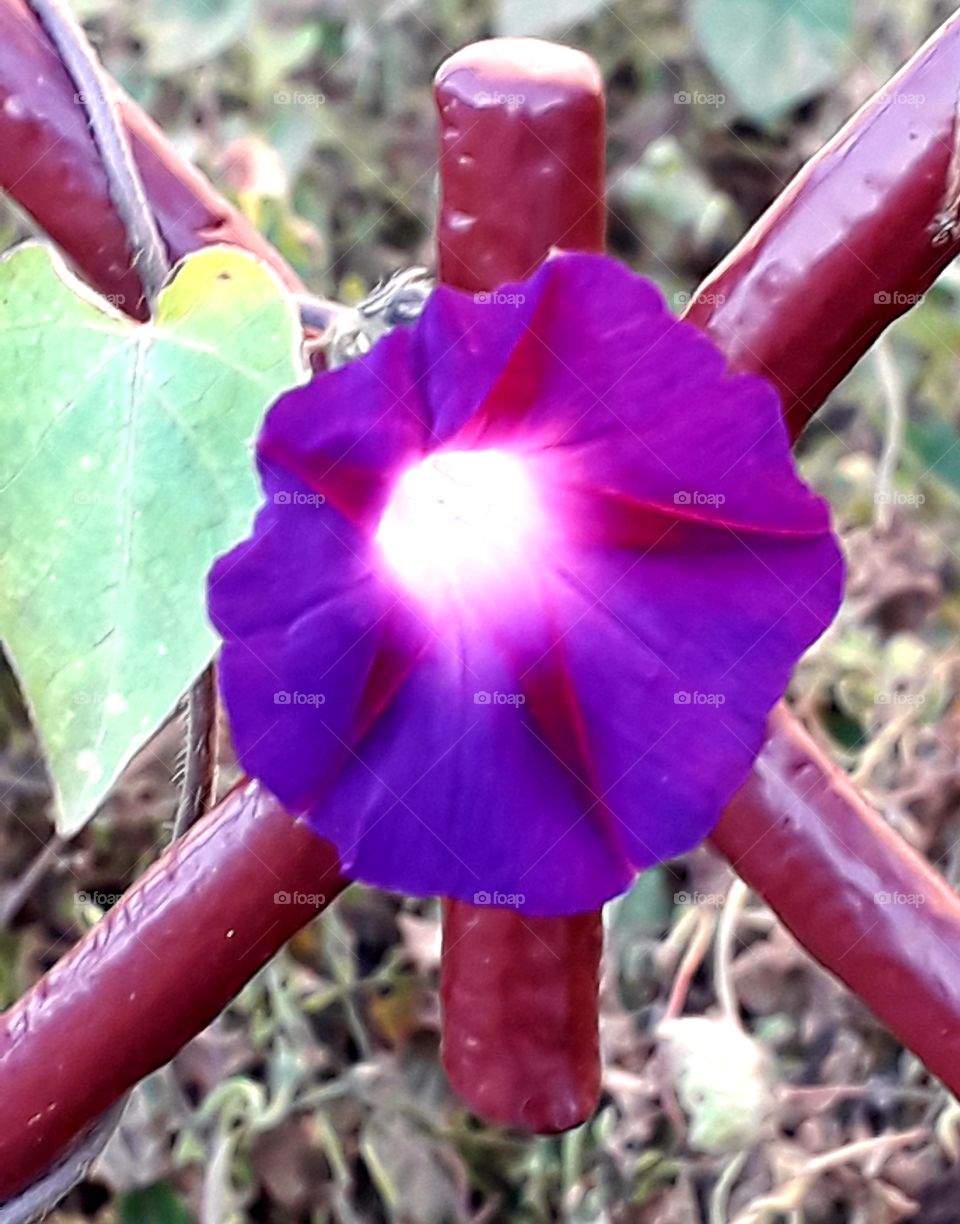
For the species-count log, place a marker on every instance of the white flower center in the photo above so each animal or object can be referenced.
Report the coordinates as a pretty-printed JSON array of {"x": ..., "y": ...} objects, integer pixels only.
[{"x": 459, "y": 520}]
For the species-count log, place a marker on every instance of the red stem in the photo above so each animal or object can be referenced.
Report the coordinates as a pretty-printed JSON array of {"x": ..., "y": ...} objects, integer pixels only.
[
  {"x": 520, "y": 1018},
  {"x": 913, "y": 172},
  {"x": 864, "y": 904},
  {"x": 154, "y": 972},
  {"x": 49, "y": 164},
  {"x": 521, "y": 1041},
  {"x": 856, "y": 239}
]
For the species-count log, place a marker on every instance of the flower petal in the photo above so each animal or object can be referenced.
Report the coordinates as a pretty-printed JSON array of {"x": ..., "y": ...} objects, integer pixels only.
[
  {"x": 301, "y": 628},
  {"x": 455, "y": 789},
  {"x": 675, "y": 670},
  {"x": 347, "y": 434},
  {"x": 645, "y": 404}
]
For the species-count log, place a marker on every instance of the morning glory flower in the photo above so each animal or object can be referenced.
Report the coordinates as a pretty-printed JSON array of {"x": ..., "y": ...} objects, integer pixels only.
[{"x": 527, "y": 581}]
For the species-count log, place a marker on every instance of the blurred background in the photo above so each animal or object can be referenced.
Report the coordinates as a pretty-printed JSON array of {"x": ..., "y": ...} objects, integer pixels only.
[{"x": 318, "y": 1096}]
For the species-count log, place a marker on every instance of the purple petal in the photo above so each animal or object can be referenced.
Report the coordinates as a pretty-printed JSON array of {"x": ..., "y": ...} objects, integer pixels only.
[
  {"x": 347, "y": 435},
  {"x": 301, "y": 627},
  {"x": 457, "y": 786}
]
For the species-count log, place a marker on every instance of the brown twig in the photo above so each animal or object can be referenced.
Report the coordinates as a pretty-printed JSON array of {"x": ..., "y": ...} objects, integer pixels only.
[
  {"x": 95, "y": 95},
  {"x": 200, "y": 753}
]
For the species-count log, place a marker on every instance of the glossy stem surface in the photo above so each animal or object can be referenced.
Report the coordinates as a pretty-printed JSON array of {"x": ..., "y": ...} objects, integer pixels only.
[
  {"x": 853, "y": 242},
  {"x": 858, "y": 236},
  {"x": 521, "y": 171},
  {"x": 520, "y": 1022},
  {"x": 154, "y": 972},
  {"x": 864, "y": 904},
  {"x": 50, "y": 165}
]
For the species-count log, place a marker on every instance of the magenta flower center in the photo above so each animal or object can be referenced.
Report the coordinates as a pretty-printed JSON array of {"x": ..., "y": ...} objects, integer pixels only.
[{"x": 459, "y": 521}]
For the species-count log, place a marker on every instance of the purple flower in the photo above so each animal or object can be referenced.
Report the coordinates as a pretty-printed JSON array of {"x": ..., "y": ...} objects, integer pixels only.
[{"x": 529, "y": 577}]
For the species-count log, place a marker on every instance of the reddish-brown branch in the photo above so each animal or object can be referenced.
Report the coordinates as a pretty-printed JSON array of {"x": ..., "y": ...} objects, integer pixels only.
[
  {"x": 49, "y": 164},
  {"x": 521, "y": 1040},
  {"x": 853, "y": 242},
  {"x": 858, "y": 236},
  {"x": 520, "y": 1022},
  {"x": 154, "y": 972},
  {"x": 862, "y": 903}
]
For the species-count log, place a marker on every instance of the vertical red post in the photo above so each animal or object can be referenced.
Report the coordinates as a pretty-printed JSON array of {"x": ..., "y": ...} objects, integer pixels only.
[{"x": 521, "y": 171}]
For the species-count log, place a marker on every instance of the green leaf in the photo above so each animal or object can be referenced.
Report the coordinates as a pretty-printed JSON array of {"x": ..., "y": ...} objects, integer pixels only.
[
  {"x": 124, "y": 470},
  {"x": 181, "y": 34},
  {"x": 275, "y": 54},
  {"x": 771, "y": 54},
  {"x": 937, "y": 445},
  {"x": 156, "y": 1204},
  {"x": 634, "y": 924},
  {"x": 533, "y": 17}
]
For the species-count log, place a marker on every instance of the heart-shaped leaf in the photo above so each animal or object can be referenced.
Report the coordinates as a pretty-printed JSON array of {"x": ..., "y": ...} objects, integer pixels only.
[
  {"x": 520, "y": 17},
  {"x": 124, "y": 470},
  {"x": 772, "y": 54}
]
